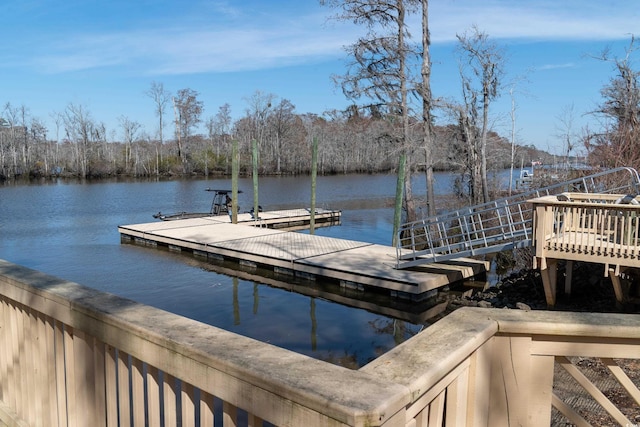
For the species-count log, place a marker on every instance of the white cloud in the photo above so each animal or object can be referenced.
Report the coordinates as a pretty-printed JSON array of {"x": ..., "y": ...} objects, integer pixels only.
[
  {"x": 555, "y": 66},
  {"x": 541, "y": 19},
  {"x": 220, "y": 46},
  {"x": 243, "y": 40},
  {"x": 189, "y": 50}
]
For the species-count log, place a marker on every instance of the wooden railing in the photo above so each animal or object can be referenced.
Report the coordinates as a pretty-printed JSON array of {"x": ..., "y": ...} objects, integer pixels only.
[
  {"x": 594, "y": 228},
  {"x": 73, "y": 356}
]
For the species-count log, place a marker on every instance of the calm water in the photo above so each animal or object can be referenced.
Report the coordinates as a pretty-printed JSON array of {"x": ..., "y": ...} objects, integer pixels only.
[{"x": 69, "y": 230}]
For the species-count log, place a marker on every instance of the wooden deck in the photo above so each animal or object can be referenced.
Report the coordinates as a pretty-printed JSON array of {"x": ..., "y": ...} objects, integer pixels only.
[
  {"x": 351, "y": 263},
  {"x": 593, "y": 228}
]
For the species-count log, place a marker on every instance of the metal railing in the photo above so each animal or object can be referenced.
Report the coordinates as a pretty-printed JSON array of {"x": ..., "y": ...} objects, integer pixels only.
[{"x": 499, "y": 225}]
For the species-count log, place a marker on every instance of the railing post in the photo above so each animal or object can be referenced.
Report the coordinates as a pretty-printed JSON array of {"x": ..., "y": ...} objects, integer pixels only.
[
  {"x": 397, "y": 215},
  {"x": 541, "y": 390},
  {"x": 510, "y": 381},
  {"x": 479, "y": 384}
]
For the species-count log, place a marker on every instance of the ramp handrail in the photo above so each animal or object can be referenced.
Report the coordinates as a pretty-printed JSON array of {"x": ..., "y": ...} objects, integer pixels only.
[{"x": 495, "y": 226}]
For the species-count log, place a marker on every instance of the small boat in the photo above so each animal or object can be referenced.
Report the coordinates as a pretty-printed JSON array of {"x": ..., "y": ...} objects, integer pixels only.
[{"x": 220, "y": 205}]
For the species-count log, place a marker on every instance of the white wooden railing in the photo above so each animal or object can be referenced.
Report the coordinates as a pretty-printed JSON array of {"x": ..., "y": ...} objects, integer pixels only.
[
  {"x": 593, "y": 228},
  {"x": 73, "y": 356}
]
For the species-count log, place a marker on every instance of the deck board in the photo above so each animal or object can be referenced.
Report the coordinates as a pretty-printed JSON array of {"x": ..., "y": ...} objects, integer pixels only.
[{"x": 344, "y": 260}]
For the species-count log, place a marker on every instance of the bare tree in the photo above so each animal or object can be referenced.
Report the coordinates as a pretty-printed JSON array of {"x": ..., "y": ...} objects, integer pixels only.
[
  {"x": 80, "y": 131},
  {"x": 465, "y": 153},
  {"x": 11, "y": 117},
  {"x": 58, "y": 121},
  {"x": 486, "y": 62},
  {"x": 379, "y": 74},
  {"x": 283, "y": 120},
  {"x": 160, "y": 98},
  {"x": 38, "y": 137},
  {"x": 427, "y": 105},
  {"x": 260, "y": 106},
  {"x": 513, "y": 139},
  {"x": 23, "y": 113},
  {"x": 130, "y": 129},
  {"x": 223, "y": 126},
  {"x": 566, "y": 132},
  {"x": 617, "y": 143},
  {"x": 188, "y": 111}
]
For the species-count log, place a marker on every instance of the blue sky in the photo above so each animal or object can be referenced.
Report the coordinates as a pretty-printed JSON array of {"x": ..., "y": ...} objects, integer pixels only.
[{"x": 103, "y": 55}]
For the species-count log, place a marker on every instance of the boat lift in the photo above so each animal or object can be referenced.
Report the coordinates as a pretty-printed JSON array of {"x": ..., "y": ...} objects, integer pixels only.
[
  {"x": 220, "y": 205},
  {"x": 495, "y": 226}
]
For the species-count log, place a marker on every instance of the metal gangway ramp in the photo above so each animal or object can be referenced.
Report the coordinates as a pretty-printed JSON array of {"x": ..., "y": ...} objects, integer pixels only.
[{"x": 495, "y": 226}]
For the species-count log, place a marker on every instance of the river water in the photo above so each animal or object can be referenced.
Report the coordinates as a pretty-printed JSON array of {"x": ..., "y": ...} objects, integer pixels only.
[{"x": 69, "y": 230}]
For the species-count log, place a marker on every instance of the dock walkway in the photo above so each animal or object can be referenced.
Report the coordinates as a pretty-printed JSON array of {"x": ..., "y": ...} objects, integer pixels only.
[
  {"x": 351, "y": 263},
  {"x": 290, "y": 219}
]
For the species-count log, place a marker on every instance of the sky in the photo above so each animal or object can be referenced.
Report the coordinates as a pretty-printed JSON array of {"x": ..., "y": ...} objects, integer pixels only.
[{"x": 104, "y": 55}]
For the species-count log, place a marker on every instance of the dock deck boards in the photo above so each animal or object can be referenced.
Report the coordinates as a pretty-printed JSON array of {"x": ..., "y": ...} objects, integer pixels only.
[{"x": 348, "y": 261}]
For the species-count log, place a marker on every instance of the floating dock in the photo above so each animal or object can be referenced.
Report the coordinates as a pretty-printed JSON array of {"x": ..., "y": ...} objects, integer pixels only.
[
  {"x": 290, "y": 219},
  {"x": 353, "y": 264}
]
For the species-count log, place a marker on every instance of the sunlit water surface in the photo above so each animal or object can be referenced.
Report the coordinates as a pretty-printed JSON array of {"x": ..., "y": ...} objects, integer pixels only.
[{"x": 69, "y": 230}]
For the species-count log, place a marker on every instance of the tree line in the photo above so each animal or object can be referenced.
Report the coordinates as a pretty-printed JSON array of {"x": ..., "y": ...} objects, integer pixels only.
[{"x": 349, "y": 142}]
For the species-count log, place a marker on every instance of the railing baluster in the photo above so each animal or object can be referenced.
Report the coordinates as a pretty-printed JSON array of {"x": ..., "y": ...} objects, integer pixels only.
[
  {"x": 254, "y": 421},
  {"x": 18, "y": 358},
  {"x": 612, "y": 235},
  {"x": 70, "y": 376},
  {"x": 111, "y": 386},
  {"x": 124, "y": 396},
  {"x": 88, "y": 413},
  {"x": 61, "y": 390},
  {"x": 187, "y": 404},
  {"x": 32, "y": 358},
  {"x": 47, "y": 350},
  {"x": 436, "y": 410},
  {"x": 229, "y": 415},
  {"x": 170, "y": 395},
  {"x": 137, "y": 391},
  {"x": 207, "y": 409},
  {"x": 4, "y": 350},
  {"x": 456, "y": 404},
  {"x": 153, "y": 395},
  {"x": 616, "y": 236}
]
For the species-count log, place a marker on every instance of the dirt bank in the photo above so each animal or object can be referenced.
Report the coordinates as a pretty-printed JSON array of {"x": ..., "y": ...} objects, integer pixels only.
[{"x": 591, "y": 291}]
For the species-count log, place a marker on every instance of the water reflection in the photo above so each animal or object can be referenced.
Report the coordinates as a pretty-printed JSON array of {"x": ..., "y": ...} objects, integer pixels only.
[
  {"x": 69, "y": 230},
  {"x": 310, "y": 316}
]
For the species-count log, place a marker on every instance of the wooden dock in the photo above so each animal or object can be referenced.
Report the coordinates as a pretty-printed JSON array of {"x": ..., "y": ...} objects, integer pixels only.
[{"x": 354, "y": 264}]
